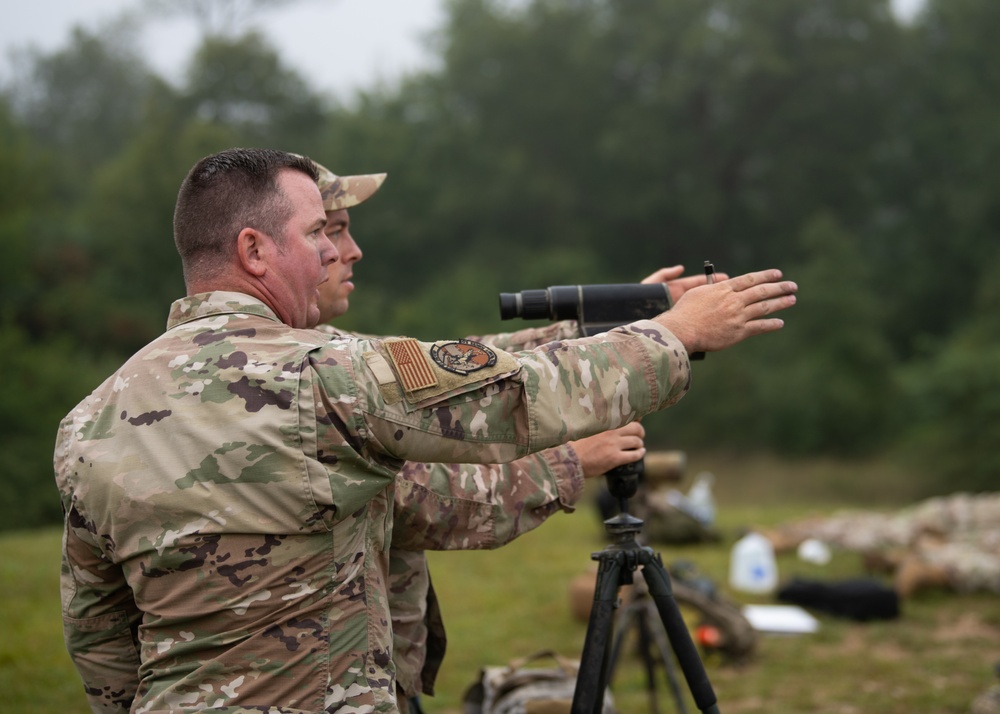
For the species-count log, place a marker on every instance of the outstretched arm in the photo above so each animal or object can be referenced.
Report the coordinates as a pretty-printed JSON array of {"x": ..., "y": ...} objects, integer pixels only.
[{"x": 475, "y": 506}]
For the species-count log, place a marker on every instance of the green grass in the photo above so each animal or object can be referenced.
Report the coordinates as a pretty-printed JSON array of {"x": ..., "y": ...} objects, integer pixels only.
[
  {"x": 512, "y": 602},
  {"x": 36, "y": 674}
]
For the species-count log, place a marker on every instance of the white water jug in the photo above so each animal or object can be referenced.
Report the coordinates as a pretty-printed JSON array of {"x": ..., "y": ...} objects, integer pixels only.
[{"x": 752, "y": 567}]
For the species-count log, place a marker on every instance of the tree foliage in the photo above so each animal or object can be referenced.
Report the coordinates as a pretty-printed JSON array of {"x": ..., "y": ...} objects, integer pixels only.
[
  {"x": 954, "y": 396},
  {"x": 82, "y": 102},
  {"x": 561, "y": 141}
]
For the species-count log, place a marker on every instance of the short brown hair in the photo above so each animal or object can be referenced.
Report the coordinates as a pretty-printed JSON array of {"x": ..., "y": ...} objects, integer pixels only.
[{"x": 225, "y": 193}]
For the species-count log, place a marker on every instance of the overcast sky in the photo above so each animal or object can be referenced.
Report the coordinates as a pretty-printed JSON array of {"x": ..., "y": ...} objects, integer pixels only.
[{"x": 374, "y": 39}]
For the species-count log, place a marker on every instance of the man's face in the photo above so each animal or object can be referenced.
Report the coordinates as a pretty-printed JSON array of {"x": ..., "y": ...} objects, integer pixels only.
[
  {"x": 302, "y": 254},
  {"x": 334, "y": 293}
]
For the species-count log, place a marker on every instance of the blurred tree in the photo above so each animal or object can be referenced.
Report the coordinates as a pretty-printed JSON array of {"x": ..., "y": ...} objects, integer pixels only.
[
  {"x": 824, "y": 384},
  {"x": 831, "y": 387},
  {"x": 82, "y": 103},
  {"x": 129, "y": 209},
  {"x": 664, "y": 130},
  {"x": 954, "y": 400},
  {"x": 23, "y": 190},
  {"x": 49, "y": 378},
  {"x": 241, "y": 83},
  {"x": 125, "y": 266},
  {"x": 935, "y": 207},
  {"x": 648, "y": 133}
]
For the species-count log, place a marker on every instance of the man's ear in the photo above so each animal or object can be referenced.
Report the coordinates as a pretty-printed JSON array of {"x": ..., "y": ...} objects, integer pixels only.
[{"x": 252, "y": 247}]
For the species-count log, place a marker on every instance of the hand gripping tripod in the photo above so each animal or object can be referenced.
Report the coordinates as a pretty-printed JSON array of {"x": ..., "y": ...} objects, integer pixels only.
[{"x": 616, "y": 564}]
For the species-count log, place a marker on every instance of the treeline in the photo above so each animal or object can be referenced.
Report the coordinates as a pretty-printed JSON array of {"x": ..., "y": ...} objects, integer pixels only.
[{"x": 561, "y": 141}]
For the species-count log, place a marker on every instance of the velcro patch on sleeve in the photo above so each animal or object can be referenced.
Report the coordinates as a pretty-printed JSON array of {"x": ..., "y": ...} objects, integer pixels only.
[
  {"x": 380, "y": 368},
  {"x": 462, "y": 365},
  {"x": 388, "y": 387},
  {"x": 412, "y": 366}
]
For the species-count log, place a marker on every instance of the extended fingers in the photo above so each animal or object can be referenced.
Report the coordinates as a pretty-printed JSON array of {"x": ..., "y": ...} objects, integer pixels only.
[
  {"x": 762, "y": 326},
  {"x": 765, "y": 293},
  {"x": 749, "y": 280},
  {"x": 664, "y": 274},
  {"x": 774, "y": 304}
]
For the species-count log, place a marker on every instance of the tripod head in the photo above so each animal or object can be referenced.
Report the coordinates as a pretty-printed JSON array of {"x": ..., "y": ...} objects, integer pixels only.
[{"x": 623, "y": 482}]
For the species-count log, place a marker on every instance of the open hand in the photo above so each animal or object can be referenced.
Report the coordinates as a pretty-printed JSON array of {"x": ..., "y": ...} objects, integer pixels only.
[{"x": 709, "y": 318}]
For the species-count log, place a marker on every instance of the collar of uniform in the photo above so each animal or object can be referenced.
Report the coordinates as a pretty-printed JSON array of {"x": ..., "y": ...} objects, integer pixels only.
[{"x": 219, "y": 302}]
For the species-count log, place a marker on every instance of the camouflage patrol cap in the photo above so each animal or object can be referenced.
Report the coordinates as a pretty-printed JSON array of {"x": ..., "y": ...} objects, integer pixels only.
[{"x": 346, "y": 191}]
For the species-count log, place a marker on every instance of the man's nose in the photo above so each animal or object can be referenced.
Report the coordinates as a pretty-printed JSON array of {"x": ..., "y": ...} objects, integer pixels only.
[
  {"x": 327, "y": 251},
  {"x": 351, "y": 250}
]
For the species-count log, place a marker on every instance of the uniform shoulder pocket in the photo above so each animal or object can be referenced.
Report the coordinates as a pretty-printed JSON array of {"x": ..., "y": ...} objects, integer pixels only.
[{"x": 425, "y": 373}]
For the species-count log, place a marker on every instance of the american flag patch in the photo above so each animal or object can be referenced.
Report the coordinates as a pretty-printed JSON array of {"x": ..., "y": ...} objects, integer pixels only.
[{"x": 412, "y": 365}]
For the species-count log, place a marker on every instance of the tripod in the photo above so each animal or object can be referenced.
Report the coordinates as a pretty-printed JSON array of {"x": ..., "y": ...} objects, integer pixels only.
[
  {"x": 640, "y": 611},
  {"x": 616, "y": 564}
]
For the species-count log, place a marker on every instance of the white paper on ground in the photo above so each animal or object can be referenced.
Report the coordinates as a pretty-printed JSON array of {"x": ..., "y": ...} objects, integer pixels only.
[{"x": 787, "y": 619}]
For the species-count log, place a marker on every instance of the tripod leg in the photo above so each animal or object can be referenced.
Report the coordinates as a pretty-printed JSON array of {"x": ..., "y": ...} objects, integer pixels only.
[
  {"x": 667, "y": 660},
  {"x": 625, "y": 619},
  {"x": 645, "y": 649},
  {"x": 640, "y": 613},
  {"x": 677, "y": 632},
  {"x": 591, "y": 680}
]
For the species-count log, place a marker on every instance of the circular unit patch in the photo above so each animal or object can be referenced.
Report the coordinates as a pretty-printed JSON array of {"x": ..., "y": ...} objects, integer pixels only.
[{"x": 463, "y": 356}]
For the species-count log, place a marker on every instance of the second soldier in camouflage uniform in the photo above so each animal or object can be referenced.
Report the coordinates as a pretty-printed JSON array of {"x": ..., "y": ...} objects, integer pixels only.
[{"x": 466, "y": 506}]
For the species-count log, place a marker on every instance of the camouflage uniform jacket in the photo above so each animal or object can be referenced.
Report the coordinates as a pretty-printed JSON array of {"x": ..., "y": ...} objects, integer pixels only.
[
  {"x": 464, "y": 507},
  {"x": 227, "y": 494}
]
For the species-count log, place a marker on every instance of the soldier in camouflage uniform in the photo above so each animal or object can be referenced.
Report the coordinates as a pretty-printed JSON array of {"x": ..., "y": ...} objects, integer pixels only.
[
  {"x": 228, "y": 491},
  {"x": 947, "y": 541},
  {"x": 467, "y": 506}
]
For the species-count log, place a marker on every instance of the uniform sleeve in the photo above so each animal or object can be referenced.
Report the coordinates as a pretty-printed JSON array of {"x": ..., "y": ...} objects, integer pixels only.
[
  {"x": 414, "y": 625},
  {"x": 526, "y": 339},
  {"x": 100, "y": 621},
  {"x": 464, "y": 402},
  {"x": 531, "y": 337},
  {"x": 473, "y": 506}
]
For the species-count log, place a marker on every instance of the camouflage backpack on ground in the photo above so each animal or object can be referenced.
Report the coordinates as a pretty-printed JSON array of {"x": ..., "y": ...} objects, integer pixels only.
[
  {"x": 734, "y": 636},
  {"x": 518, "y": 689}
]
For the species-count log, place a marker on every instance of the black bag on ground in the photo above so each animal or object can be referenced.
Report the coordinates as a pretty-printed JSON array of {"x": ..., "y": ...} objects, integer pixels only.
[
  {"x": 859, "y": 599},
  {"x": 516, "y": 689}
]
